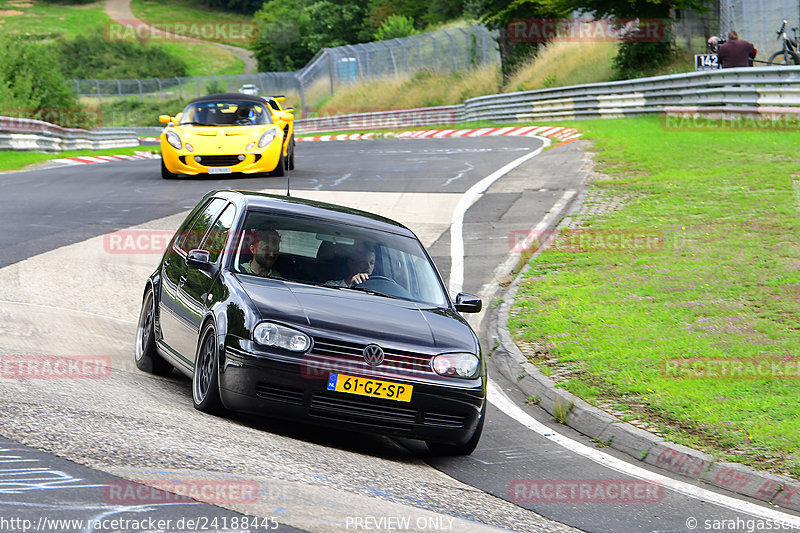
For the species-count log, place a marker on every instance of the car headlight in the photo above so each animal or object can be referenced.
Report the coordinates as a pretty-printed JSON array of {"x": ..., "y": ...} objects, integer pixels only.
[
  {"x": 271, "y": 334},
  {"x": 267, "y": 137},
  {"x": 174, "y": 140},
  {"x": 460, "y": 365}
]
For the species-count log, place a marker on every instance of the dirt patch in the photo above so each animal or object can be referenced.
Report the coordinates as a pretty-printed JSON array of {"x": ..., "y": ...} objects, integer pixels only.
[{"x": 10, "y": 13}]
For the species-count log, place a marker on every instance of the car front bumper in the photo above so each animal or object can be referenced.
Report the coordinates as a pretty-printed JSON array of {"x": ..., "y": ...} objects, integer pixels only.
[
  {"x": 286, "y": 389},
  {"x": 183, "y": 162}
]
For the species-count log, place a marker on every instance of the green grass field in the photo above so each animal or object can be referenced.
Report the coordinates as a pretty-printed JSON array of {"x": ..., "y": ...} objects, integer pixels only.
[
  {"x": 50, "y": 20},
  {"x": 18, "y": 160},
  {"x": 205, "y": 59},
  {"x": 721, "y": 287},
  {"x": 201, "y": 22}
]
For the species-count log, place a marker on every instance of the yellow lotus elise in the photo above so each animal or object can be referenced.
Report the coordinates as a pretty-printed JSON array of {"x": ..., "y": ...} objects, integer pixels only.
[{"x": 226, "y": 133}]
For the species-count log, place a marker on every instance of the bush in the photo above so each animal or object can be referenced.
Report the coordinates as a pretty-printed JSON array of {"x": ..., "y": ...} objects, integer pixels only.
[
  {"x": 394, "y": 27},
  {"x": 32, "y": 86},
  {"x": 90, "y": 55},
  {"x": 136, "y": 113},
  {"x": 637, "y": 59}
]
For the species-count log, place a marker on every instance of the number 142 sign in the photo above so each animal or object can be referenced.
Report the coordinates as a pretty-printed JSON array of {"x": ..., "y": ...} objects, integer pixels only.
[{"x": 706, "y": 62}]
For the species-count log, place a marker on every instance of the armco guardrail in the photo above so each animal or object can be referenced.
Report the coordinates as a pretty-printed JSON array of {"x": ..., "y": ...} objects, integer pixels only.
[
  {"x": 756, "y": 87},
  {"x": 383, "y": 119},
  {"x": 29, "y": 134},
  {"x": 753, "y": 87}
]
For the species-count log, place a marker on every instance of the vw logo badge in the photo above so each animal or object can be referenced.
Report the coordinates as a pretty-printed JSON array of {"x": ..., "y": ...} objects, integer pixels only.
[{"x": 373, "y": 354}]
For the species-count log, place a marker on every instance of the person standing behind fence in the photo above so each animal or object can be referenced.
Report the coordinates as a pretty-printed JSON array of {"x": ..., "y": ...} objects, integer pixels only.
[{"x": 736, "y": 52}]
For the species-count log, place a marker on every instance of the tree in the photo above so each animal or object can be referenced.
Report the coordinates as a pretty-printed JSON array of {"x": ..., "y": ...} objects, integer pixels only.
[
  {"x": 32, "y": 86},
  {"x": 246, "y": 7},
  {"x": 394, "y": 27},
  {"x": 290, "y": 32},
  {"x": 637, "y": 57},
  {"x": 281, "y": 27}
]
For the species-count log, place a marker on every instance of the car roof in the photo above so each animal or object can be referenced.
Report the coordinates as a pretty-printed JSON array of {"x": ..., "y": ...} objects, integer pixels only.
[
  {"x": 238, "y": 97},
  {"x": 311, "y": 208}
]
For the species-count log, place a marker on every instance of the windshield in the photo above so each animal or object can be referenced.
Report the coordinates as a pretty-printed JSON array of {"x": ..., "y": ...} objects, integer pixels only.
[
  {"x": 225, "y": 113},
  {"x": 338, "y": 256}
]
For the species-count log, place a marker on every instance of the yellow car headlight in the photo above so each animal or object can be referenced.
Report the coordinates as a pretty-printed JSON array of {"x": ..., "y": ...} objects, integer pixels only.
[
  {"x": 174, "y": 140},
  {"x": 267, "y": 137}
]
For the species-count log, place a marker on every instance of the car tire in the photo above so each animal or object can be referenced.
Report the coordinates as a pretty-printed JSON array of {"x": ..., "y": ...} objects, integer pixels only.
[
  {"x": 280, "y": 170},
  {"x": 452, "y": 450},
  {"x": 165, "y": 173},
  {"x": 291, "y": 154},
  {"x": 205, "y": 378},
  {"x": 146, "y": 354}
]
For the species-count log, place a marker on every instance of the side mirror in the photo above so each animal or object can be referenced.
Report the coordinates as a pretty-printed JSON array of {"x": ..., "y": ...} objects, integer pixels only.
[
  {"x": 201, "y": 260},
  {"x": 467, "y": 303},
  {"x": 287, "y": 116},
  {"x": 165, "y": 119},
  {"x": 289, "y": 109}
]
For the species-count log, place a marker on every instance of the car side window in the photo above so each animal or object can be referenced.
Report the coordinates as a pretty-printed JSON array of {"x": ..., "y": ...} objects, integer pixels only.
[
  {"x": 194, "y": 236},
  {"x": 216, "y": 238}
]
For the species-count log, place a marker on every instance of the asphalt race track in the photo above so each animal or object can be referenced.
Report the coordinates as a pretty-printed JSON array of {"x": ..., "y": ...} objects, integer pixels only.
[{"x": 71, "y": 290}]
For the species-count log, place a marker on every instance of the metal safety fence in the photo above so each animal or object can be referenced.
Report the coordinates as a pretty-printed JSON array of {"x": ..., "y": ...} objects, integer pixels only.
[
  {"x": 754, "y": 91},
  {"x": 749, "y": 88},
  {"x": 450, "y": 50},
  {"x": 756, "y": 21}
]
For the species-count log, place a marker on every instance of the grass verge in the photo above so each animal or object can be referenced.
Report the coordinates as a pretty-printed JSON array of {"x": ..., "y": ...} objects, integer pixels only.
[
  {"x": 47, "y": 20},
  {"x": 19, "y": 160},
  {"x": 651, "y": 331},
  {"x": 200, "y": 22}
]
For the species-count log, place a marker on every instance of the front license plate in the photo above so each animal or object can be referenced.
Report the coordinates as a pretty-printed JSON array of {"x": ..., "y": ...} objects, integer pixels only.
[
  {"x": 370, "y": 387},
  {"x": 219, "y": 170}
]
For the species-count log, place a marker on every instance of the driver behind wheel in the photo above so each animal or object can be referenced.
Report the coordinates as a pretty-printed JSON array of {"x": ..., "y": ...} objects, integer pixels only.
[{"x": 360, "y": 264}]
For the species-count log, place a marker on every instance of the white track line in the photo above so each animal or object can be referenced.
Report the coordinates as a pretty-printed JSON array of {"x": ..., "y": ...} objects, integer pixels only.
[
  {"x": 501, "y": 401},
  {"x": 457, "y": 221}
]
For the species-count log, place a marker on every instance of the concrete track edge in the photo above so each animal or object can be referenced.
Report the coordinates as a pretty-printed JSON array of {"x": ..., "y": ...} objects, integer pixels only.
[{"x": 599, "y": 425}]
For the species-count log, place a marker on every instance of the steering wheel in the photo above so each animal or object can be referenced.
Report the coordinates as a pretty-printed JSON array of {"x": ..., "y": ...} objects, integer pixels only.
[
  {"x": 377, "y": 278},
  {"x": 242, "y": 122},
  {"x": 385, "y": 285}
]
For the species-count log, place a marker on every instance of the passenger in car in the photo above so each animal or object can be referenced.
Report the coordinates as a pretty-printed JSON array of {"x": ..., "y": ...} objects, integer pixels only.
[
  {"x": 360, "y": 264},
  {"x": 265, "y": 246}
]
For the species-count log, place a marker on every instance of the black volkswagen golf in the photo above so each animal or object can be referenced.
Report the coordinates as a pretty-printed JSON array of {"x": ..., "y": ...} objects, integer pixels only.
[{"x": 305, "y": 310}]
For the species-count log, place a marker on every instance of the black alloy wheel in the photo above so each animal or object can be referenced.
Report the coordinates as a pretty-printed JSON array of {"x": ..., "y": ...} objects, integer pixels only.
[
  {"x": 147, "y": 358},
  {"x": 205, "y": 379}
]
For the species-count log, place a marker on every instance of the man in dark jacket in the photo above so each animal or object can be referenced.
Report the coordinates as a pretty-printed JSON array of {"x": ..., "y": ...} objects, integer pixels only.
[{"x": 736, "y": 52}]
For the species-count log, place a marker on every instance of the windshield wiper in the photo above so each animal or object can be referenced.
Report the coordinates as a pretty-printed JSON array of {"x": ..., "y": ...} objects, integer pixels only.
[
  {"x": 194, "y": 123},
  {"x": 371, "y": 291}
]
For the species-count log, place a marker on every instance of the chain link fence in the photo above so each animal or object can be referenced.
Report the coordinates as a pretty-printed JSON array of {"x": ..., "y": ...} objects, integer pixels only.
[
  {"x": 450, "y": 50},
  {"x": 756, "y": 21}
]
